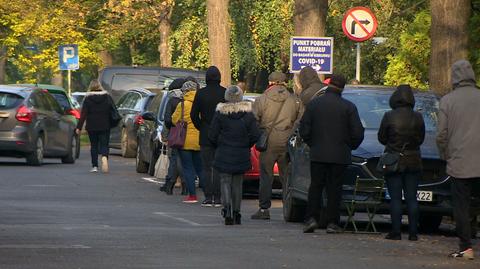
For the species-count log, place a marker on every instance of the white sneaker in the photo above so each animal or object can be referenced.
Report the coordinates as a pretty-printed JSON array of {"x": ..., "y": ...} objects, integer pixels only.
[
  {"x": 104, "y": 164},
  {"x": 94, "y": 169}
]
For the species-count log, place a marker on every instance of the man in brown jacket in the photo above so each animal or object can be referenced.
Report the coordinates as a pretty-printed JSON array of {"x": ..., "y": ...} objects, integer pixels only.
[
  {"x": 277, "y": 111},
  {"x": 459, "y": 145}
]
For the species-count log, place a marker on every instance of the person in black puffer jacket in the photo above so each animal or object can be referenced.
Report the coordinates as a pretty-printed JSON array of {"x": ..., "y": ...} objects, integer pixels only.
[
  {"x": 96, "y": 111},
  {"x": 233, "y": 132},
  {"x": 403, "y": 130}
]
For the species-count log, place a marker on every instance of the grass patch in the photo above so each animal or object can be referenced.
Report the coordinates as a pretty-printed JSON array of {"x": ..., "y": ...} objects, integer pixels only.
[{"x": 84, "y": 141}]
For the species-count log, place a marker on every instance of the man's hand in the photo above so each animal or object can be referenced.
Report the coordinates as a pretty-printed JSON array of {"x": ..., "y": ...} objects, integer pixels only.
[{"x": 77, "y": 131}]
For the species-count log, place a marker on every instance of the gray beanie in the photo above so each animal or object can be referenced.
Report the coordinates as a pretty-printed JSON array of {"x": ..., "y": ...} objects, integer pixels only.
[
  {"x": 233, "y": 94},
  {"x": 189, "y": 86}
]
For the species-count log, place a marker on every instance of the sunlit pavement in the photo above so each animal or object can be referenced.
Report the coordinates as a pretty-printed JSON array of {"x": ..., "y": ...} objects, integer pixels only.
[{"x": 62, "y": 216}]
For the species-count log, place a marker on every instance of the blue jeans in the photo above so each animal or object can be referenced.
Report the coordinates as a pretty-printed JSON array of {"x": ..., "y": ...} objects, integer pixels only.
[
  {"x": 99, "y": 141},
  {"x": 408, "y": 182},
  {"x": 192, "y": 167}
]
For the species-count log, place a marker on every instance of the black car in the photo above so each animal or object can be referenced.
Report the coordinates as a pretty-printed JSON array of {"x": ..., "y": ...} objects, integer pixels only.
[
  {"x": 434, "y": 194},
  {"x": 148, "y": 143},
  {"x": 33, "y": 125},
  {"x": 130, "y": 106}
]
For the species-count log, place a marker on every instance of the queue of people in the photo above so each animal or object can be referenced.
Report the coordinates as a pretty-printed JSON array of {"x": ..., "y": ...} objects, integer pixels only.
[{"x": 221, "y": 128}]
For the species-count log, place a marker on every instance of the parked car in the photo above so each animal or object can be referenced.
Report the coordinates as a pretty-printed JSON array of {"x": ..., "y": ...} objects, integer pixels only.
[
  {"x": 34, "y": 126},
  {"x": 434, "y": 193},
  {"x": 118, "y": 79},
  {"x": 69, "y": 105},
  {"x": 148, "y": 144},
  {"x": 130, "y": 106},
  {"x": 79, "y": 97}
]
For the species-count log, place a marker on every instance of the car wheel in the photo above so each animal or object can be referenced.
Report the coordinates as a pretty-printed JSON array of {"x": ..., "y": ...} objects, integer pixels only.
[
  {"x": 429, "y": 223},
  {"x": 36, "y": 157},
  {"x": 141, "y": 166},
  {"x": 293, "y": 209},
  {"x": 77, "y": 148},
  {"x": 70, "y": 157},
  {"x": 126, "y": 145},
  {"x": 153, "y": 161}
]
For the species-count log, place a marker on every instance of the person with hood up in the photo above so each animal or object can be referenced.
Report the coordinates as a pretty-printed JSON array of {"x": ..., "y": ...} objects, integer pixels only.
[
  {"x": 459, "y": 145},
  {"x": 174, "y": 166},
  {"x": 233, "y": 132},
  {"x": 96, "y": 110},
  {"x": 402, "y": 130},
  {"x": 190, "y": 153},
  {"x": 331, "y": 127},
  {"x": 310, "y": 84},
  {"x": 202, "y": 113},
  {"x": 277, "y": 111}
]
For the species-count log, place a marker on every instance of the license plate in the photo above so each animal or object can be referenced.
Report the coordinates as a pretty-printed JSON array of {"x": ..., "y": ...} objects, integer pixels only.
[{"x": 422, "y": 196}]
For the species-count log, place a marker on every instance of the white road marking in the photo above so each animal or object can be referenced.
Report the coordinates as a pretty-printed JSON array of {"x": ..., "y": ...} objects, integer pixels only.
[
  {"x": 179, "y": 219},
  {"x": 43, "y": 246},
  {"x": 153, "y": 179},
  {"x": 43, "y": 186}
]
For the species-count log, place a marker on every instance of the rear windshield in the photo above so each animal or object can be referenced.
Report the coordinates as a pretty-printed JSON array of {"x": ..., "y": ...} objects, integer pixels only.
[
  {"x": 62, "y": 100},
  {"x": 131, "y": 81},
  {"x": 9, "y": 100}
]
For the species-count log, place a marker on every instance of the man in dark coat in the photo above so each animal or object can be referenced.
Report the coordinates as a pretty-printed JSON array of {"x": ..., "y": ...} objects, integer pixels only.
[
  {"x": 459, "y": 145},
  {"x": 331, "y": 127},
  {"x": 311, "y": 85},
  {"x": 203, "y": 109}
]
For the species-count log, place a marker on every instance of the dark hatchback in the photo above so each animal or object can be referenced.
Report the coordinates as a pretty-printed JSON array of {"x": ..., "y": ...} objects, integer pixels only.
[
  {"x": 130, "y": 106},
  {"x": 33, "y": 125},
  {"x": 372, "y": 102}
]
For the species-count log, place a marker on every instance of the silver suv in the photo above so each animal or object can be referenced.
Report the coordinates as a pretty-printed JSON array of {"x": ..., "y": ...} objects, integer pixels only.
[{"x": 33, "y": 125}]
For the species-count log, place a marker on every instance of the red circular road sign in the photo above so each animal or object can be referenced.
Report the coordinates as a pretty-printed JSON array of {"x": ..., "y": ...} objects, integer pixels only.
[{"x": 359, "y": 24}]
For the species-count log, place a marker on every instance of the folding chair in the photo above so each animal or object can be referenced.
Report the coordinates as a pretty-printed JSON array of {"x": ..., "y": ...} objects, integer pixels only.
[{"x": 368, "y": 194}]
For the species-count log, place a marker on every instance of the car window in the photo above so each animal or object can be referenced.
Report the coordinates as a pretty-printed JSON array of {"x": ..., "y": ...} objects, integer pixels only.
[
  {"x": 154, "y": 105},
  {"x": 38, "y": 101},
  {"x": 54, "y": 105},
  {"x": 123, "y": 100},
  {"x": 163, "y": 106},
  {"x": 142, "y": 105},
  {"x": 62, "y": 99},
  {"x": 133, "y": 102},
  {"x": 9, "y": 100},
  {"x": 372, "y": 107}
]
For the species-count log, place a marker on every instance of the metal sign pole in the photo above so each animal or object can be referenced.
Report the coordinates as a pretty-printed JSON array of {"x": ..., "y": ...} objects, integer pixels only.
[
  {"x": 69, "y": 82},
  {"x": 357, "y": 73}
]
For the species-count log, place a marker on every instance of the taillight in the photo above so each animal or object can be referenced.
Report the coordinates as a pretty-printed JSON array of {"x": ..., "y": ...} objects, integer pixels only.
[
  {"x": 139, "y": 120},
  {"x": 74, "y": 112},
  {"x": 24, "y": 114}
]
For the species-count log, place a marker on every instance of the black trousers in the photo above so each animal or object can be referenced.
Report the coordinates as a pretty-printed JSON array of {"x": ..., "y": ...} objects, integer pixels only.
[
  {"x": 330, "y": 177},
  {"x": 211, "y": 186},
  {"x": 462, "y": 190},
  {"x": 99, "y": 141}
]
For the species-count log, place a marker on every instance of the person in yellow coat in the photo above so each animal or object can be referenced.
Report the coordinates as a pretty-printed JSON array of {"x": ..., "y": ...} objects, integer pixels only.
[{"x": 190, "y": 153}]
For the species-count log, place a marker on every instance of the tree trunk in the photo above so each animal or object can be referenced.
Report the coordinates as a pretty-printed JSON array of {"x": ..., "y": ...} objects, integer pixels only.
[
  {"x": 106, "y": 58},
  {"x": 219, "y": 37},
  {"x": 310, "y": 17},
  {"x": 3, "y": 63},
  {"x": 165, "y": 56},
  {"x": 449, "y": 37},
  {"x": 57, "y": 79}
]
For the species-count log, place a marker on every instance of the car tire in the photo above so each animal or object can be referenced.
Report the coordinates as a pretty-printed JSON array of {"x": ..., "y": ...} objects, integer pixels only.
[
  {"x": 153, "y": 161},
  {"x": 141, "y": 166},
  {"x": 36, "y": 157},
  {"x": 126, "y": 146},
  {"x": 70, "y": 157},
  {"x": 429, "y": 223},
  {"x": 78, "y": 146},
  {"x": 293, "y": 209}
]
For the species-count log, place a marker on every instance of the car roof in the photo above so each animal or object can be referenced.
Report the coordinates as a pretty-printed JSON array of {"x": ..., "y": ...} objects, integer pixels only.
[
  {"x": 388, "y": 90},
  {"x": 21, "y": 90},
  {"x": 146, "y": 91},
  {"x": 48, "y": 87}
]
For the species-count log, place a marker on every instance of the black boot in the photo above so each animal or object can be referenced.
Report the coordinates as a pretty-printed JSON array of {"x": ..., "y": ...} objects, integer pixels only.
[
  {"x": 237, "y": 218},
  {"x": 169, "y": 187},
  {"x": 184, "y": 189},
  {"x": 227, "y": 215}
]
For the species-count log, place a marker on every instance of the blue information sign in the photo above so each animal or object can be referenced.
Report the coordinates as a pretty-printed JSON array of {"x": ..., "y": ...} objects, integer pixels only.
[
  {"x": 68, "y": 57},
  {"x": 316, "y": 52}
]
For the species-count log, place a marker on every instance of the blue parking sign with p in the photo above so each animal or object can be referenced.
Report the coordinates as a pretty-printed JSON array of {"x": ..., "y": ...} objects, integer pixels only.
[{"x": 68, "y": 57}]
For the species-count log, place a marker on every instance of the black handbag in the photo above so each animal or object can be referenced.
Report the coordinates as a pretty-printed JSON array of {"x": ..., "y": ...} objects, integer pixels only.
[
  {"x": 388, "y": 162},
  {"x": 262, "y": 142},
  {"x": 115, "y": 117}
]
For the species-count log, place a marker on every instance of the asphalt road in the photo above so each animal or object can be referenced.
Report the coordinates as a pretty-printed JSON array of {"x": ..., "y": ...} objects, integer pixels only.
[{"x": 61, "y": 216}]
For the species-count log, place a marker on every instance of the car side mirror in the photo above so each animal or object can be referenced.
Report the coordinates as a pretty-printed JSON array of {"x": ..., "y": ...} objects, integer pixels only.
[{"x": 149, "y": 116}]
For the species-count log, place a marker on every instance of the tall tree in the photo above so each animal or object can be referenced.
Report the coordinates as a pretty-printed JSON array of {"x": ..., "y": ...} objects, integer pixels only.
[
  {"x": 3, "y": 62},
  {"x": 449, "y": 37},
  {"x": 164, "y": 15},
  {"x": 219, "y": 37},
  {"x": 310, "y": 17}
]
